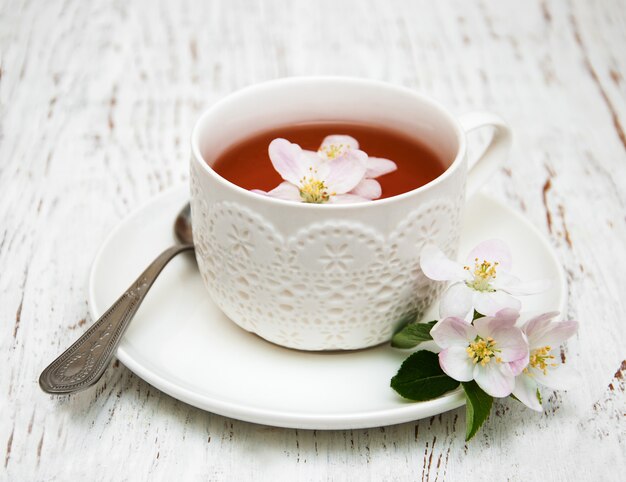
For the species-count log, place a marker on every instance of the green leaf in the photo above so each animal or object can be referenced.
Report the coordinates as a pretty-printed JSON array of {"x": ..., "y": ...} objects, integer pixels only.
[
  {"x": 412, "y": 335},
  {"x": 477, "y": 408},
  {"x": 421, "y": 378}
]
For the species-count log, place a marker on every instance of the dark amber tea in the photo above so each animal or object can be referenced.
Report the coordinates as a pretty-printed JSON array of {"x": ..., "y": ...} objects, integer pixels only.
[{"x": 247, "y": 163}]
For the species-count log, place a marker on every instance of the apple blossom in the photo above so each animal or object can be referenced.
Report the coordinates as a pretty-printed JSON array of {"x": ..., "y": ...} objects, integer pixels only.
[
  {"x": 337, "y": 173},
  {"x": 483, "y": 284},
  {"x": 545, "y": 367},
  {"x": 335, "y": 145},
  {"x": 492, "y": 351}
]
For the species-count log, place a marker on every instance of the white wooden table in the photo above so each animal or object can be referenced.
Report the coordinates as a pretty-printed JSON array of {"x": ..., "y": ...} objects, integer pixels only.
[{"x": 97, "y": 101}]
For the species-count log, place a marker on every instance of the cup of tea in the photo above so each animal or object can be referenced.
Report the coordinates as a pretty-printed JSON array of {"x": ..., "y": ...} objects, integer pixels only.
[{"x": 330, "y": 276}]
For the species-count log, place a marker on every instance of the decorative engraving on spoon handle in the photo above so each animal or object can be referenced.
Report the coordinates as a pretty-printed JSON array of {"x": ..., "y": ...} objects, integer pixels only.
[{"x": 83, "y": 363}]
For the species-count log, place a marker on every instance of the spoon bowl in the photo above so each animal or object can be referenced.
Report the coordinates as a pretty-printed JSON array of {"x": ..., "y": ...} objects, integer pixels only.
[{"x": 182, "y": 225}]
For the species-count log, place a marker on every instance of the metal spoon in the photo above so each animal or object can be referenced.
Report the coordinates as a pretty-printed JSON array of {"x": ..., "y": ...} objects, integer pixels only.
[{"x": 83, "y": 363}]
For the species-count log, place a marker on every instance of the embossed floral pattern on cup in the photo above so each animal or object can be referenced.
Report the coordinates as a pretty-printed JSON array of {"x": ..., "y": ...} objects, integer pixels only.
[{"x": 335, "y": 284}]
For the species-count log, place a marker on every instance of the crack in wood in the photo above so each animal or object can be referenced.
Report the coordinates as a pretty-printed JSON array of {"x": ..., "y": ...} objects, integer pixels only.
[
  {"x": 18, "y": 313},
  {"x": 546, "y": 187},
  {"x": 594, "y": 76},
  {"x": 112, "y": 104},
  {"x": 425, "y": 461},
  {"x": 430, "y": 458},
  {"x": 616, "y": 77},
  {"x": 4, "y": 237},
  {"x": 193, "y": 49},
  {"x": 566, "y": 234},
  {"x": 78, "y": 324},
  {"x": 9, "y": 446},
  {"x": 547, "y": 16},
  {"x": 30, "y": 423},
  {"x": 618, "y": 378},
  {"x": 40, "y": 446},
  {"x": 18, "y": 316}
]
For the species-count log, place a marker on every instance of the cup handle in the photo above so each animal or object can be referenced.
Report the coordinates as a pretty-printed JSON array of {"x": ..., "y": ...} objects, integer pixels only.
[{"x": 481, "y": 168}]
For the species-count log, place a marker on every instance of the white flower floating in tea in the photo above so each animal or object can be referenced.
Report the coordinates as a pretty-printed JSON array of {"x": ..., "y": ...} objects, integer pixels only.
[
  {"x": 339, "y": 172},
  {"x": 489, "y": 356}
]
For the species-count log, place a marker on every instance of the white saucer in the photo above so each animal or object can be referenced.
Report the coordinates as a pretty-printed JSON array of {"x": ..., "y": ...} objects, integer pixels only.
[{"x": 182, "y": 344}]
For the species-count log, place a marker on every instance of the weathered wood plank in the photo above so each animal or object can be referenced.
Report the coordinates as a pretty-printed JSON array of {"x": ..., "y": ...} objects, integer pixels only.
[{"x": 97, "y": 100}]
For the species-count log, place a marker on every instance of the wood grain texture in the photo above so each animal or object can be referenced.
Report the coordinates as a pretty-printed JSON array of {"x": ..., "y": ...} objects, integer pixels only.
[{"x": 97, "y": 101}]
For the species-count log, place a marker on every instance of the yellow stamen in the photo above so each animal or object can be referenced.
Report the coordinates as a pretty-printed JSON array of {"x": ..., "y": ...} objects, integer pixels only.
[
  {"x": 481, "y": 350},
  {"x": 313, "y": 191},
  {"x": 333, "y": 150},
  {"x": 540, "y": 359},
  {"x": 483, "y": 272}
]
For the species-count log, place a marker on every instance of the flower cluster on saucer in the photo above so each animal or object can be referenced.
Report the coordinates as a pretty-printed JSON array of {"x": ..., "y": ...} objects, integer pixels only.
[
  {"x": 483, "y": 345},
  {"x": 502, "y": 357},
  {"x": 338, "y": 172}
]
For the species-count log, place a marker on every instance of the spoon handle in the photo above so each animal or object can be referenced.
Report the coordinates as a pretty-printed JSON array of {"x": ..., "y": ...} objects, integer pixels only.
[{"x": 83, "y": 363}]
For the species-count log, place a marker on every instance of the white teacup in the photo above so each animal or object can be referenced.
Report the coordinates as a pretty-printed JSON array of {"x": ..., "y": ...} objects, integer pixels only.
[{"x": 329, "y": 276}]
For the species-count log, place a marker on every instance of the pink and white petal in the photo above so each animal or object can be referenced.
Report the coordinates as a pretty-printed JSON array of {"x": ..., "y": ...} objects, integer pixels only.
[
  {"x": 286, "y": 191},
  {"x": 493, "y": 379},
  {"x": 561, "y": 377},
  {"x": 347, "y": 199},
  {"x": 511, "y": 342},
  {"x": 509, "y": 339},
  {"x": 538, "y": 323},
  {"x": 453, "y": 331},
  {"x": 514, "y": 286},
  {"x": 517, "y": 367},
  {"x": 483, "y": 326},
  {"x": 526, "y": 392},
  {"x": 258, "y": 191},
  {"x": 377, "y": 166},
  {"x": 536, "y": 326},
  {"x": 456, "y": 301},
  {"x": 506, "y": 369},
  {"x": 492, "y": 250},
  {"x": 555, "y": 333},
  {"x": 313, "y": 160},
  {"x": 437, "y": 266},
  {"x": 287, "y": 160},
  {"x": 456, "y": 363},
  {"x": 488, "y": 303},
  {"x": 340, "y": 139},
  {"x": 505, "y": 318},
  {"x": 346, "y": 171},
  {"x": 368, "y": 188}
]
